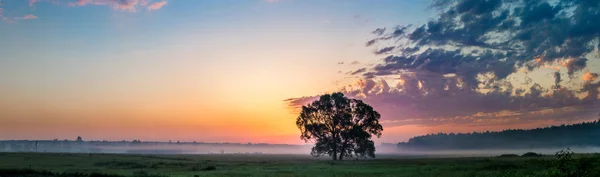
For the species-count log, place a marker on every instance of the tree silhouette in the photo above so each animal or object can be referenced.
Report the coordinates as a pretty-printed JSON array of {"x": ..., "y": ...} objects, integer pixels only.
[
  {"x": 339, "y": 126},
  {"x": 580, "y": 134}
]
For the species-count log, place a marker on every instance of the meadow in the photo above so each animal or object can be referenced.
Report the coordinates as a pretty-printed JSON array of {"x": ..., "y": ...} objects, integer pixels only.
[{"x": 115, "y": 165}]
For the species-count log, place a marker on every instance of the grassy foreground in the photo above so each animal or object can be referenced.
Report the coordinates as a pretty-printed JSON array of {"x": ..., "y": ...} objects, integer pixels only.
[{"x": 97, "y": 165}]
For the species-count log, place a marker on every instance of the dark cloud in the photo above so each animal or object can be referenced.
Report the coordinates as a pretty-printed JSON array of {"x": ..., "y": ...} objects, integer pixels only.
[
  {"x": 358, "y": 71},
  {"x": 350, "y": 63},
  {"x": 379, "y": 31},
  {"x": 457, "y": 67},
  {"x": 557, "y": 79},
  {"x": 384, "y": 50},
  {"x": 442, "y": 102},
  {"x": 573, "y": 65},
  {"x": 471, "y": 38},
  {"x": 369, "y": 75}
]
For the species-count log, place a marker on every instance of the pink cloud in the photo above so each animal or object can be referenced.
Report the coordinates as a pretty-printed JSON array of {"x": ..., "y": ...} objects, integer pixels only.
[
  {"x": 32, "y": 2},
  {"x": 26, "y": 17},
  {"x": 6, "y": 19},
  {"x": 124, "y": 5},
  {"x": 144, "y": 2},
  {"x": 29, "y": 17},
  {"x": 157, "y": 5},
  {"x": 128, "y": 5},
  {"x": 81, "y": 2}
]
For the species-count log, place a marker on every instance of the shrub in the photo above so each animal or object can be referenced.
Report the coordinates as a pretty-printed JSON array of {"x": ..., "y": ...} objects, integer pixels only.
[
  {"x": 531, "y": 154},
  {"x": 567, "y": 166},
  {"x": 509, "y": 155},
  {"x": 209, "y": 168}
]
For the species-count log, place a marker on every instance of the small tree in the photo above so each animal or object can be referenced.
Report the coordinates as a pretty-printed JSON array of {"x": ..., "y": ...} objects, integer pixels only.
[{"x": 339, "y": 126}]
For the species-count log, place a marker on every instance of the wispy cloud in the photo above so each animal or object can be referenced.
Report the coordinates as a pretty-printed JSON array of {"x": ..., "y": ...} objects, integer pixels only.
[
  {"x": 157, "y": 5},
  {"x": 144, "y": 2},
  {"x": 122, "y": 5},
  {"x": 27, "y": 17},
  {"x": 119, "y": 5}
]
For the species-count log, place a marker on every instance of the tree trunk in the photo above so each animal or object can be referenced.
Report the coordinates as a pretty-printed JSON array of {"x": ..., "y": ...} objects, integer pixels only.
[
  {"x": 334, "y": 143},
  {"x": 334, "y": 155},
  {"x": 341, "y": 156}
]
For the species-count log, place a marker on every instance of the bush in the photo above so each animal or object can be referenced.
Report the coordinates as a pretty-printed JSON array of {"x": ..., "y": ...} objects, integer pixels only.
[
  {"x": 509, "y": 155},
  {"x": 209, "y": 168},
  {"x": 567, "y": 166},
  {"x": 531, "y": 154}
]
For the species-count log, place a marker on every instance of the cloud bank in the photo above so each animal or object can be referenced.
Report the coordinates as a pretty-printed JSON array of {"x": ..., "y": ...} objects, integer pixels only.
[{"x": 469, "y": 64}]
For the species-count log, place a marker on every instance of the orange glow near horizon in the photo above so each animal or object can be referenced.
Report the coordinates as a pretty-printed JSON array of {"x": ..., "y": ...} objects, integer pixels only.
[{"x": 216, "y": 71}]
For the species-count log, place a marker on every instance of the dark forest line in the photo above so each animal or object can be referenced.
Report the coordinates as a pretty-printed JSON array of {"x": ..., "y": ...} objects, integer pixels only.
[{"x": 583, "y": 134}]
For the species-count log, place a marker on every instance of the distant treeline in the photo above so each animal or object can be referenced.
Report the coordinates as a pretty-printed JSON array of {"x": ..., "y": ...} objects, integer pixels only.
[
  {"x": 137, "y": 147},
  {"x": 582, "y": 134}
]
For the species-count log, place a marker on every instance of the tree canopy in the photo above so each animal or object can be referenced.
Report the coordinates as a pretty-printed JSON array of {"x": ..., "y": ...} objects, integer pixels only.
[{"x": 339, "y": 126}]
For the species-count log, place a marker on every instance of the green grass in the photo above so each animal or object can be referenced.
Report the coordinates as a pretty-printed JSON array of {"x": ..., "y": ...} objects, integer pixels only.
[{"x": 54, "y": 164}]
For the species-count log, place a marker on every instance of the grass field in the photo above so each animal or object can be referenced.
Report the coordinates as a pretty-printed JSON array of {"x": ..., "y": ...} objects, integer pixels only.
[{"x": 53, "y": 164}]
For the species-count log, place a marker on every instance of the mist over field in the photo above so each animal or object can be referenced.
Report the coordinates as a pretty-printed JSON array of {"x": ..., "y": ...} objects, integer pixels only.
[
  {"x": 150, "y": 147},
  {"x": 385, "y": 150}
]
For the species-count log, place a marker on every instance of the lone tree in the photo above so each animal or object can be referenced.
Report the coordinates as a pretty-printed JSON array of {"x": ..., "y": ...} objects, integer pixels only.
[{"x": 339, "y": 126}]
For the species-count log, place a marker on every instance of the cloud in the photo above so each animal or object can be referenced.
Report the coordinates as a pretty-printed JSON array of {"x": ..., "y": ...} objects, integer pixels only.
[
  {"x": 144, "y": 2},
  {"x": 28, "y": 17},
  {"x": 355, "y": 63},
  {"x": 120, "y": 5},
  {"x": 384, "y": 50},
  {"x": 157, "y": 5},
  {"x": 573, "y": 65},
  {"x": 340, "y": 63},
  {"x": 462, "y": 66},
  {"x": 359, "y": 19},
  {"x": 589, "y": 77},
  {"x": 408, "y": 104},
  {"x": 82, "y": 2},
  {"x": 358, "y": 71}
]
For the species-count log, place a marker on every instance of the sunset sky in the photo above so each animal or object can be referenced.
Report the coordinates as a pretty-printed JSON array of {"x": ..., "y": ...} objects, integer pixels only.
[{"x": 234, "y": 71}]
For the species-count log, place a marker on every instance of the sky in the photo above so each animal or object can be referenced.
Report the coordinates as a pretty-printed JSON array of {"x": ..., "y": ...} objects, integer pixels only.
[{"x": 235, "y": 71}]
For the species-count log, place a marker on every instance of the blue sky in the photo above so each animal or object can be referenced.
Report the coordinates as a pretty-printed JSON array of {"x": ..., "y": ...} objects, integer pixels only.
[
  {"x": 246, "y": 56},
  {"x": 217, "y": 70}
]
